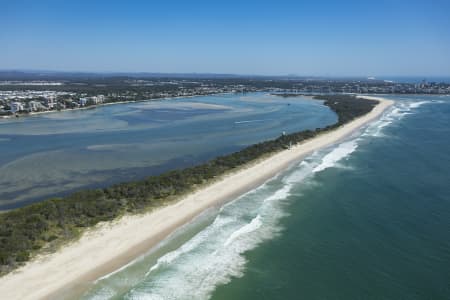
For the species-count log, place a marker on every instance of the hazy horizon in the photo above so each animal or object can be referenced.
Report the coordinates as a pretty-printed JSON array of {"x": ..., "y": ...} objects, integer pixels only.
[
  {"x": 321, "y": 39},
  {"x": 193, "y": 74}
]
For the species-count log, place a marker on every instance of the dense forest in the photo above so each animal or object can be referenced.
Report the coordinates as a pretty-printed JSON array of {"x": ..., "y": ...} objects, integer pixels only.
[{"x": 43, "y": 226}]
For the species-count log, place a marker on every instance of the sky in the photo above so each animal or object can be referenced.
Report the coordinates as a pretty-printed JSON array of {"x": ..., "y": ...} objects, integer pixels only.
[{"x": 278, "y": 37}]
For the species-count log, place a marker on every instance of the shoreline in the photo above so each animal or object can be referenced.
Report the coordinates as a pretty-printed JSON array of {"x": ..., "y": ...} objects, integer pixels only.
[
  {"x": 109, "y": 246},
  {"x": 37, "y": 113}
]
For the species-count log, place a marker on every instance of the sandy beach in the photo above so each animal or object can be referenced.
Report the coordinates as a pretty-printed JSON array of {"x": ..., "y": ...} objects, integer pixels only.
[{"x": 110, "y": 246}]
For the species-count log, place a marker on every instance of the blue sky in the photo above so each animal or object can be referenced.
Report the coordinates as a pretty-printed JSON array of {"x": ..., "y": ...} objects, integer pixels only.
[{"x": 322, "y": 38}]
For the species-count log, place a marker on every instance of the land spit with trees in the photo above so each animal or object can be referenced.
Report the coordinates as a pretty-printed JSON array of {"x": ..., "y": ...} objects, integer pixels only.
[{"x": 45, "y": 226}]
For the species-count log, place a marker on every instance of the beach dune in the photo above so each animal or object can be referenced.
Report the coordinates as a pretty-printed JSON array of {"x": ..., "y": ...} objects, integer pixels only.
[{"x": 109, "y": 246}]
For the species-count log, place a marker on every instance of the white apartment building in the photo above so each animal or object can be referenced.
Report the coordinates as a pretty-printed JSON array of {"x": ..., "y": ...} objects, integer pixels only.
[{"x": 16, "y": 106}]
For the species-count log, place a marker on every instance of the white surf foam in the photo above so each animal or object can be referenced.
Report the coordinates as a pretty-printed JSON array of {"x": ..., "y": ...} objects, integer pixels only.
[
  {"x": 252, "y": 226},
  {"x": 119, "y": 270},
  {"x": 201, "y": 237},
  {"x": 338, "y": 153},
  {"x": 400, "y": 109},
  {"x": 303, "y": 170},
  {"x": 418, "y": 104},
  {"x": 215, "y": 255},
  {"x": 375, "y": 128}
]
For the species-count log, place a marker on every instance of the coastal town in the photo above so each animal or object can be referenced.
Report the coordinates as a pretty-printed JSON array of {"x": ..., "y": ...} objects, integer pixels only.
[
  {"x": 23, "y": 97},
  {"x": 19, "y": 101}
]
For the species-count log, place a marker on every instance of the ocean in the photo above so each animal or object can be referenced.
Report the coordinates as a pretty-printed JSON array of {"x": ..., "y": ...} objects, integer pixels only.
[{"x": 367, "y": 218}]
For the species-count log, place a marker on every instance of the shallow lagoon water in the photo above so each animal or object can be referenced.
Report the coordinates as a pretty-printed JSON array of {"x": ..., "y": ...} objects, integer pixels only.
[{"x": 58, "y": 153}]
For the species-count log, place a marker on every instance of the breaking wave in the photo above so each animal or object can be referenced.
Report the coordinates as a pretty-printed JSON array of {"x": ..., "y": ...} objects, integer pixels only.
[
  {"x": 252, "y": 226},
  {"x": 340, "y": 152},
  {"x": 399, "y": 110}
]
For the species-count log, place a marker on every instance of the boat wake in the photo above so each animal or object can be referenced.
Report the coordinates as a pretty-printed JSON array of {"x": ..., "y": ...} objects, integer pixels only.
[{"x": 251, "y": 121}]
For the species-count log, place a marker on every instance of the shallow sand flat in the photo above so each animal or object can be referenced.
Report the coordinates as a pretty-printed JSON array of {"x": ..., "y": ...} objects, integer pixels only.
[{"x": 112, "y": 245}]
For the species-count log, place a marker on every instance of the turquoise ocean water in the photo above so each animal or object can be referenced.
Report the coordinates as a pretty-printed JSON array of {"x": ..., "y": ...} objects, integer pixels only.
[{"x": 368, "y": 218}]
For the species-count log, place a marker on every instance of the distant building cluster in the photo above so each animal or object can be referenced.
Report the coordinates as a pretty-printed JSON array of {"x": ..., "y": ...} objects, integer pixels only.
[
  {"x": 28, "y": 83},
  {"x": 368, "y": 87},
  {"x": 14, "y": 102},
  {"x": 94, "y": 100}
]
